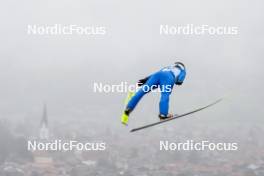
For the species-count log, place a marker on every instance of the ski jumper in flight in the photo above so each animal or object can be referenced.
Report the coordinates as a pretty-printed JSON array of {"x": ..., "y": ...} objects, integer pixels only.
[{"x": 165, "y": 80}]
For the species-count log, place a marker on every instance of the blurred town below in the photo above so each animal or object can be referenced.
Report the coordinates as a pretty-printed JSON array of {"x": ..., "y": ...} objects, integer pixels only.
[{"x": 127, "y": 154}]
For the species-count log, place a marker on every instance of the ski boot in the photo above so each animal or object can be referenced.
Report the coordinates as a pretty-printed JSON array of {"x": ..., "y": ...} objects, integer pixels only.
[
  {"x": 125, "y": 115},
  {"x": 124, "y": 118},
  {"x": 163, "y": 117}
]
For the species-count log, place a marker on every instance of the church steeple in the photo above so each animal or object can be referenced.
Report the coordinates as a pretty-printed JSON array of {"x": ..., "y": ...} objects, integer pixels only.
[
  {"x": 44, "y": 119},
  {"x": 44, "y": 131}
]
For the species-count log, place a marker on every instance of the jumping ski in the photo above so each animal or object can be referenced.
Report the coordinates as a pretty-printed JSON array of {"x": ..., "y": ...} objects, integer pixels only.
[{"x": 175, "y": 117}]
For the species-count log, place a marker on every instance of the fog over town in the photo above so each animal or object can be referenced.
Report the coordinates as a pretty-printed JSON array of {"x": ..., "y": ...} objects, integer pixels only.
[{"x": 47, "y": 86}]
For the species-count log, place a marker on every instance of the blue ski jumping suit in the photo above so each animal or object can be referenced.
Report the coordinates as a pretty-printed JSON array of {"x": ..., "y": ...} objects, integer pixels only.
[{"x": 165, "y": 80}]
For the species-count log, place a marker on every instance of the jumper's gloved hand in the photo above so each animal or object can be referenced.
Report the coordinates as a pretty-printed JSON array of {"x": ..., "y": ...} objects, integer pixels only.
[{"x": 142, "y": 81}]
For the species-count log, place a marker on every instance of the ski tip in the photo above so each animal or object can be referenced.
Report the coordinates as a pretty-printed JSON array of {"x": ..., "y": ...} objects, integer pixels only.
[{"x": 217, "y": 101}]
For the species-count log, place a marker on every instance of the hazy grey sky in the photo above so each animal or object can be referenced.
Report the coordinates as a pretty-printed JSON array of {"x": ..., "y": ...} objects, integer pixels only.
[{"x": 60, "y": 70}]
